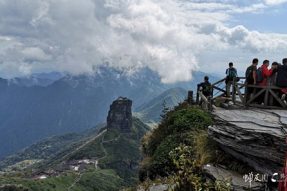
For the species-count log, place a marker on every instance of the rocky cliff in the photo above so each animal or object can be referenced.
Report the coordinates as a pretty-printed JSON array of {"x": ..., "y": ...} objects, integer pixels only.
[
  {"x": 255, "y": 136},
  {"x": 120, "y": 115}
]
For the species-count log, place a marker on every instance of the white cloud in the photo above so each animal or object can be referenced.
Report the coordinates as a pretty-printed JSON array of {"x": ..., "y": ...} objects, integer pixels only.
[
  {"x": 78, "y": 36},
  {"x": 226, "y": 7},
  {"x": 253, "y": 41},
  {"x": 275, "y": 2},
  {"x": 35, "y": 54}
]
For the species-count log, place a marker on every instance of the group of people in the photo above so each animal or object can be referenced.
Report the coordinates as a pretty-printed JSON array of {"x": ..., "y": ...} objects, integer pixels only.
[{"x": 262, "y": 76}]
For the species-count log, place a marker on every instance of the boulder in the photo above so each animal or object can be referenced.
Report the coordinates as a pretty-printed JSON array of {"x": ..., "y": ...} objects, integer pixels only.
[
  {"x": 158, "y": 187},
  {"x": 237, "y": 181},
  {"x": 256, "y": 137}
]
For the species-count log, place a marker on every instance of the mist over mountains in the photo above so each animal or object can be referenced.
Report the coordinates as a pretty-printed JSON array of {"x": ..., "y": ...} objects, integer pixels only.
[
  {"x": 37, "y": 79},
  {"x": 29, "y": 113}
]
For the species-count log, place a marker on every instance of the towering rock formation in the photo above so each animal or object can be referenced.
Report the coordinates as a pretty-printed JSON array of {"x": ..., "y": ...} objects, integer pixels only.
[{"x": 120, "y": 115}]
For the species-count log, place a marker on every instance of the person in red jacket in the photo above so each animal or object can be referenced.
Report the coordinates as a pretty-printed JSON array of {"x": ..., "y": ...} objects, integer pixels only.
[
  {"x": 283, "y": 181},
  {"x": 262, "y": 75},
  {"x": 266, "y": 73}
]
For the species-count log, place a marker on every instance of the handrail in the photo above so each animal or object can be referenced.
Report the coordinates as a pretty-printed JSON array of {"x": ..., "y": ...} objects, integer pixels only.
[
  {"x": 270, "y": 93},
  {"x": 218, "y": 82}
]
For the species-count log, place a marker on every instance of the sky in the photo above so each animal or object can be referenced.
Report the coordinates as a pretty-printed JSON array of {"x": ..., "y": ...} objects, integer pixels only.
[{"x": 174, "y": 38}]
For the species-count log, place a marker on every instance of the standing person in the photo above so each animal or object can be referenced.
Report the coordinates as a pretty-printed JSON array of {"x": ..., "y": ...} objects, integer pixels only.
[
  {"x": 262, "y": 77},
  {"x": 283, "y": 182},
  {"x": 250, "y": 75},
  {"x": 273, "y": 77},
  {"x": 282, "y": 78},
  {"x": 282, "y": 74},
  {"x": 264, "y": 73},
  {"x": 231, "y": 73},
  {"x": 282, "y": 82},
  {"x": 272, "y": 82}
]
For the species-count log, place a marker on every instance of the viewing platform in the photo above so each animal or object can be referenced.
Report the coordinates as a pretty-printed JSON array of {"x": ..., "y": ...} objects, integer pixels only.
[
  {"x": 252, "y": 132},
  {"x": 269, "y": 95}
]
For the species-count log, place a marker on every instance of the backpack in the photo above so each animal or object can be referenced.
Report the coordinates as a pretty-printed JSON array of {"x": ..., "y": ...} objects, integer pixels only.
[
  {"x": 232, "y": 73},
  {"x": 259, "y": 75},
  {"x": 248, "y": 73},
  {"x": 206, "y": 89}
]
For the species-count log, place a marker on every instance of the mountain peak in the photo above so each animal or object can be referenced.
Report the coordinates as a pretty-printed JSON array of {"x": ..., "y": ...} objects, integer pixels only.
[{"x": 120, "y": 115}]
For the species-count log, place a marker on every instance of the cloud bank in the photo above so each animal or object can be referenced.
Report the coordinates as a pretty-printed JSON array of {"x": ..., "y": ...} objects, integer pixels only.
[{"x": 79, "y": 36}]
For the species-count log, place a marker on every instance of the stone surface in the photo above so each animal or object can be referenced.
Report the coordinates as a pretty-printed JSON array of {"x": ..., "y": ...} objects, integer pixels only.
[
  {"x": 160, "y": 187},
  {"x": 253, "y": 136},
  {"x": 237, "y": 180},
  {"x": 120, "y": 115}
]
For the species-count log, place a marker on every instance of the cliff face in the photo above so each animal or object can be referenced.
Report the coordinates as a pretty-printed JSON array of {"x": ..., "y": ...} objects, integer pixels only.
[
  {"x": 120, "y": 115},
  {"x": 256, "y": 137}
]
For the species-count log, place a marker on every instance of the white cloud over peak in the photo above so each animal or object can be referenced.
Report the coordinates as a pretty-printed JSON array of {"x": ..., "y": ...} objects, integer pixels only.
[{"x": 78, "y": 36}]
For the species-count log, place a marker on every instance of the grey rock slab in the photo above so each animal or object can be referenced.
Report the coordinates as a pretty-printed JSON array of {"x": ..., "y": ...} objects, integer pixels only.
[
  {"x": 282, "y": 114},
  {"x": 237, "y": 181},
  {"x": 255, "y": 136},
  {"x": 253, "y": 116},
  {"x": 159, "y": 187}
]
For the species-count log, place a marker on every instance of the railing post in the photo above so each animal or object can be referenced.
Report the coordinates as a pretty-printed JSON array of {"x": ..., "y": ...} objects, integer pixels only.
[
  {"x": 210, "y": 103},
  {"x": 190, "y": 99},
  {"x": 197, "y": 95},
  {"x": 266, "y": 97},
  {"x": 233, "y": 91},
  {"x": 246, "y": 94}
]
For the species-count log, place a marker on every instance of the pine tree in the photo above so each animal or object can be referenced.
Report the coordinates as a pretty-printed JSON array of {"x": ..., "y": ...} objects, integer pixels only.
[{"x": 164, "y": 110}]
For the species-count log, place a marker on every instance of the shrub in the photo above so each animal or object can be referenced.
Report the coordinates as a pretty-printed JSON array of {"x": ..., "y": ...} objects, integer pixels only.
[
  {"x": 178, "y": 121},
  {"x": 177, "y": 127}
]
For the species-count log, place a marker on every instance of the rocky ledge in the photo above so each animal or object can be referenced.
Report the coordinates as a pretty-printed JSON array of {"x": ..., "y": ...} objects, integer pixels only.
[{"x": 256, "y": 137}]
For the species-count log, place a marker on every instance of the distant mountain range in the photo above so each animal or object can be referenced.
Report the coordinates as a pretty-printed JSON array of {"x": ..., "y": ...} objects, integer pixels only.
[
  {"x": 115, "y": 152},
  {"x": 38, "y": 79},
  {"x": 151, "y": 112},
  {"x": 31, "y": 111},
  {"x": 50, "y": 147}
]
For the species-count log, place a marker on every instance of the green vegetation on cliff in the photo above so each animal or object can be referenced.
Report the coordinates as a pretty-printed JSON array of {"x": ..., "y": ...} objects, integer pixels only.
[
  {"x": 177, "y": 127},
  {"x": 179, "y": 148}
]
